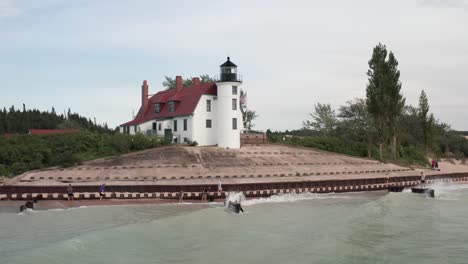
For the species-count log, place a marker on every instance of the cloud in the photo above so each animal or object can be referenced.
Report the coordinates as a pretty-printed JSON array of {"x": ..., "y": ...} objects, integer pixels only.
[
  {"x": 291, "y": 55},
  {"x": 446, "y": 3},
  {"x": 8, "y": 9}
]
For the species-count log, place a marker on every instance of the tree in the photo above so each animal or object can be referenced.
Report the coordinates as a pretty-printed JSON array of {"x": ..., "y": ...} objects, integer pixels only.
[
  {"x": 15, "y": 121},
  {"x": 396, "y": 101},
  {"x": 383, "y": 98},
  {"x": 69, "y": 124},
  {"x": 375, "y": 92},
  {"x": 205, "y": 78},
  {"x": 323, "y": 120},
  {"x": 248, "y": 116},
  {"x": 170, "y": 83},
  {"x": 425, "y": 120},
  {"x": 356, "y": 123}
]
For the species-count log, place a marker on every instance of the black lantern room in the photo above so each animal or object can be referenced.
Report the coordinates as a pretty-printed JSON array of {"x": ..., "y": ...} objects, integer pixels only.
[{"x": 229, "y": 72}]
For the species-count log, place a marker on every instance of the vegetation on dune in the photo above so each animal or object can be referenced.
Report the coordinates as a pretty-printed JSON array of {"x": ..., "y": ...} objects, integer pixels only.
[
  {"x": 380, "y": 126},
  {"x": 22, "y": 152},
  {"x": 28, "y": 152}
]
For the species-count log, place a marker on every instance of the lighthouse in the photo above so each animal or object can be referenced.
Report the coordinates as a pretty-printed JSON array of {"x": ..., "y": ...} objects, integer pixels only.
[{"x": 229, "y": 115}]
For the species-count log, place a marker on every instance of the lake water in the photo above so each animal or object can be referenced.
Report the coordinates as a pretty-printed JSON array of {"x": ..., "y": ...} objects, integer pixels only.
[{"x": 307, "y": 228}]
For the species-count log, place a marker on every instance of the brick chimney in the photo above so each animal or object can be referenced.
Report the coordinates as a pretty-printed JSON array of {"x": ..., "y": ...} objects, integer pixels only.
[
  {"x": 196, "y": 81},
  {"x": 144, "y": 96},
  {"x": 178, "y": 83}
]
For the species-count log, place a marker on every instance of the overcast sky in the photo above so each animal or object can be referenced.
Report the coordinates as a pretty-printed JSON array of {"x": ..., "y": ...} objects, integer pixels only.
[{"x": 92, "y": 56}]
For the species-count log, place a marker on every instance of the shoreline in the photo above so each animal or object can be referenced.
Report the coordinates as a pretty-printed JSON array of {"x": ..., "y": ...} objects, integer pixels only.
[{"x": 12, "y": 206}]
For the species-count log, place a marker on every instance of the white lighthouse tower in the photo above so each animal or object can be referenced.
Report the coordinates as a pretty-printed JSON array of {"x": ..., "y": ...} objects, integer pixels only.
[{"x": 229, "y": 115}]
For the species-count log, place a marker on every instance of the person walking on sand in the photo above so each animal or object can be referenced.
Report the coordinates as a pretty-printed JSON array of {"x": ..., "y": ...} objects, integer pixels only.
[
  {"x": 181, "y": 196},
  {"x": 102, "y": 190},
  {"x": 70, "y": 192}
]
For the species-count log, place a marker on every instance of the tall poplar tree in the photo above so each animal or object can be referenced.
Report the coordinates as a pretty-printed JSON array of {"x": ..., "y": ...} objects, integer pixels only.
[
  {"x": 383, "y": 98},
  {"x": 375, "y": 96},
  {"x": 396, "y": 101},
  {"x": 426, "y": 120}
]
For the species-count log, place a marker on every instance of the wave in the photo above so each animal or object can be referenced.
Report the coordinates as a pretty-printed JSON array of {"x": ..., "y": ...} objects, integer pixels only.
[
  {"x": 293, "y": 197},
  {"x": 445, "y": 191},
  {"x": 448, "y": 191}
]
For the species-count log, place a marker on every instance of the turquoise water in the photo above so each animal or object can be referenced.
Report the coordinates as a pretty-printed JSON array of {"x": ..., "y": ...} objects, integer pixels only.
[{"x": 306, "y": 228}]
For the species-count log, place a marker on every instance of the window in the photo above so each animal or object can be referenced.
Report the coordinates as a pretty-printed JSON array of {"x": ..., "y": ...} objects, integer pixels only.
[
  {"x": 171, "y": 106},
  {"x": 185, "y": 140},
  {"x": 154, "y": 125},
  {"x": 159, "y": 126},
  {"x": 185, "y": 124},
  {"x": 234, "y": 124},
  {"x": 175, "y": 125},
  {"x": 156, "y": 108},
  {"x": 208, "y": 105},
  {"x": 234, "y": 90},
  {"x": 208, "y": 123},
  {"x": 234, "y": 104}
]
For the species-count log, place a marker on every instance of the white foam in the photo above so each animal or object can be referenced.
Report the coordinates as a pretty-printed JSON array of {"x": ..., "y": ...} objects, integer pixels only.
[
  {"x": 293, "y": 197},
  {"x": 447, "y": 191}
]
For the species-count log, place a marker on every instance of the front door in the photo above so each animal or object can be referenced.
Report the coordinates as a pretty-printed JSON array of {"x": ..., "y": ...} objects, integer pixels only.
[{"x": 168, "y": 134}]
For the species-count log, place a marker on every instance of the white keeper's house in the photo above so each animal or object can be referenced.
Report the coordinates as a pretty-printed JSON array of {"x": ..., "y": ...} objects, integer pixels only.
[{"x": 208, "y": 113}]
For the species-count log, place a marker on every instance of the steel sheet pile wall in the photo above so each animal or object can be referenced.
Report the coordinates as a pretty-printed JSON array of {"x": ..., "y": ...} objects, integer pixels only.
[{"x": 250, "y": 189}]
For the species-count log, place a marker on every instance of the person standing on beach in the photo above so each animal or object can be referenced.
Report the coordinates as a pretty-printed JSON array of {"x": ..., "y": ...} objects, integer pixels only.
[
  {"x": 181, "y": 196},
  {"x": 102, "y": 190},
  {"x": 220, "y": 187},
  {"x": 204, "y": 195},
  {"x": 70, "y": 192}
]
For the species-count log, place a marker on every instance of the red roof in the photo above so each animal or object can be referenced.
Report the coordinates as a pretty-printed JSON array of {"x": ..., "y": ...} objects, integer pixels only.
[
  {"x": 185, "y": 102},
  {"x": 51, "y": 131}
]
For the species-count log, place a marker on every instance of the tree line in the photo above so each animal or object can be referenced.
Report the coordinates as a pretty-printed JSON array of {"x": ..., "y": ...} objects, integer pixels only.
[
  {"x": 381, "y": 125},
  {"x": 19, "y": 121}
]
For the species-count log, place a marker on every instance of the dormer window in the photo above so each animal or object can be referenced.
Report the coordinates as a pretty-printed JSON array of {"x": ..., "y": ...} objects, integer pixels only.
[
  {"x": 171, "y": 106},
  {"x": 156, "y": 108}
]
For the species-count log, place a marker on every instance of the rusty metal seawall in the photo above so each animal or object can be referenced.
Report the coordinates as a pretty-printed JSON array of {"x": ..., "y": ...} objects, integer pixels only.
[{"x": 250, "y": 189}]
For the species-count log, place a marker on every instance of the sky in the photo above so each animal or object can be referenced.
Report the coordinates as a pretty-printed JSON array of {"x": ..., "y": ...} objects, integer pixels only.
[{"x": 92, "y": 55}]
